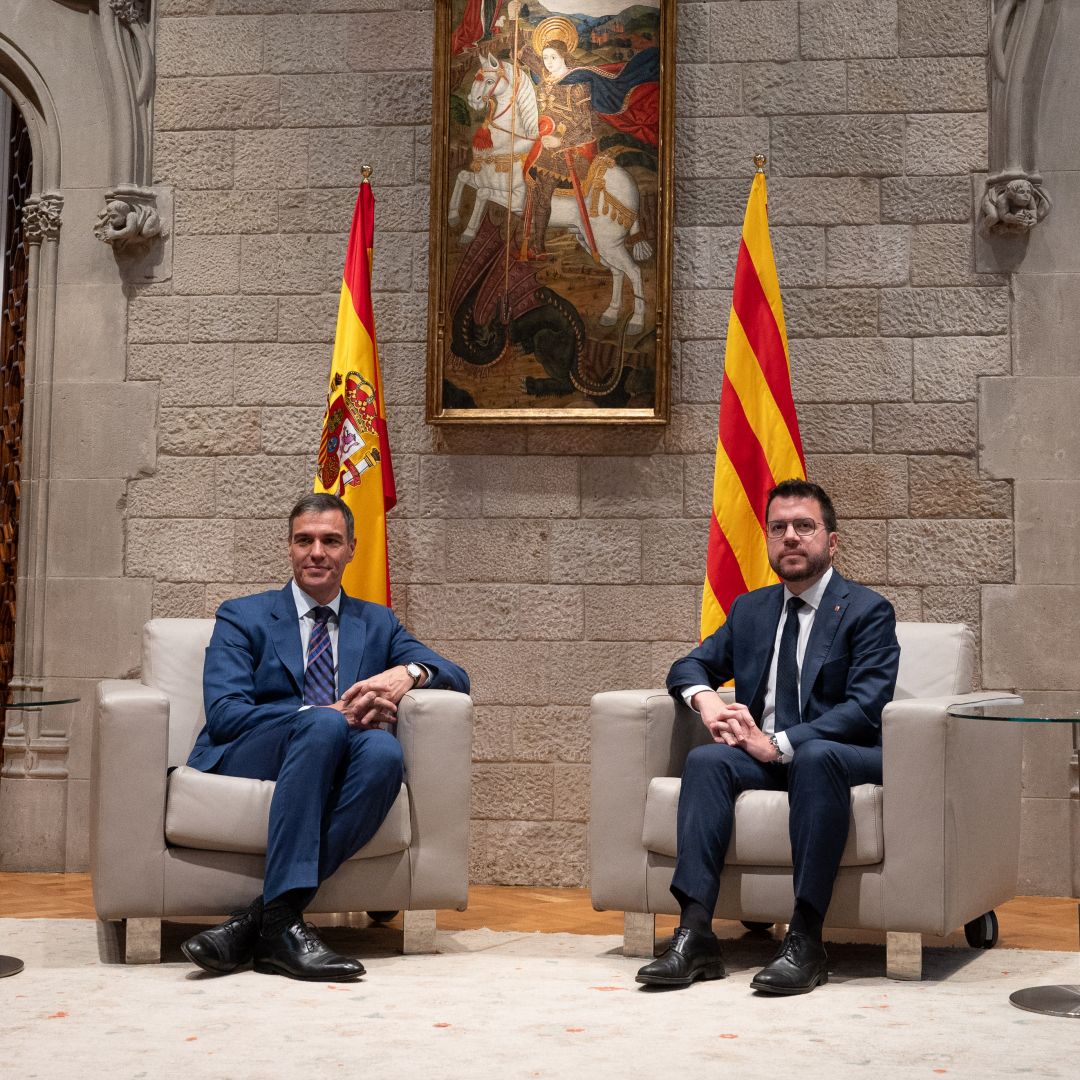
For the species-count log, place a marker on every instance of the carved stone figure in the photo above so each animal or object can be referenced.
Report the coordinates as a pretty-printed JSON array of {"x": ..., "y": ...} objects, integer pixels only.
[
  {"x": 1013, "y": 206},
  {"x": 128, "y": 220}
]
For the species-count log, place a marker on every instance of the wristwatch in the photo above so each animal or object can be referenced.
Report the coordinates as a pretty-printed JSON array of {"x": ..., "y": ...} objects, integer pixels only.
[
  {"x": 776, "y": 747},
  {"x": 416, "y": 673}
]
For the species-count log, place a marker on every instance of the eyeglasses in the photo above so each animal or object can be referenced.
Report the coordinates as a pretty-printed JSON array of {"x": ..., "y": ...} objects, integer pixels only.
[{"x": 777, "y": 530}]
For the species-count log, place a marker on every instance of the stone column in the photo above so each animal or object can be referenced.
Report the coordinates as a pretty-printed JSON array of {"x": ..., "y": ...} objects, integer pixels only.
[{"x": 33, "y": 789}]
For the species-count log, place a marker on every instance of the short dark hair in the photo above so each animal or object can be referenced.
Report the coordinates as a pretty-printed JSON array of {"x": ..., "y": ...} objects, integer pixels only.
[
  {"x": 320, "y": 502},
  {"x": 804, "y": 489}
]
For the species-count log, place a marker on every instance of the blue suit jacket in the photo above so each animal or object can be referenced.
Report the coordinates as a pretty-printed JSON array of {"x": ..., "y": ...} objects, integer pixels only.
[
  {"x": 254, "y": 670},
  {"x": 849, "y": 669}
]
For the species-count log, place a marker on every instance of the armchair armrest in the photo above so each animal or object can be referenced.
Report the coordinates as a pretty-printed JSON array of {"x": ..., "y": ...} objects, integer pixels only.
[
  {"x": 435, "y": 731},
  {"x": 951, "y": 812},
  {"x": 127, "y": 807},
  {"x": 636, "y": 735}
]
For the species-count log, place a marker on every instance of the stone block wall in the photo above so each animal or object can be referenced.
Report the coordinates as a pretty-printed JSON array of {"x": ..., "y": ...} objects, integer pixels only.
[{"x": 554, "y": 562}]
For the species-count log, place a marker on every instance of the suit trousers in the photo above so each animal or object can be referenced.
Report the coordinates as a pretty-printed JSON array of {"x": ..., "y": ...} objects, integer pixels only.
[
  {"x": 335, "y": 785},
  {"x": 818, "y": 781}
]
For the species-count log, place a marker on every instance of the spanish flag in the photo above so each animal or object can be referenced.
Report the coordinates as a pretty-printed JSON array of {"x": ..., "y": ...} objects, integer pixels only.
[
  {"x": 759, "y": 443},
  {"x": 354, "y": 453}
]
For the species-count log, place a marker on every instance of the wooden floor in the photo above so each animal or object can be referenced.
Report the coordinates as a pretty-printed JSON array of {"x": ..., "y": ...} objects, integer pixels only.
[{"x": 1028, "y": 922}]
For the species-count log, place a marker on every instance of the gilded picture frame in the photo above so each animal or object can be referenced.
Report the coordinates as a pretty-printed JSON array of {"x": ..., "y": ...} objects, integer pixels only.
[{"x": 557, "y": 311}]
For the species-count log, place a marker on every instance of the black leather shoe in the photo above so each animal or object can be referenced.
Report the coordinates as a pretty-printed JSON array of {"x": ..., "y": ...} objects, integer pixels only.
[
  {"x": 299, "y": 952},
  {"x": 799, "y": 966},
  {"x": 224, "y": 948},
  {"x": 691, "y": 955}
]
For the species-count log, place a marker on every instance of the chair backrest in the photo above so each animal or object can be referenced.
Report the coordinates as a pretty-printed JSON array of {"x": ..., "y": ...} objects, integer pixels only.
[
  {"x": 935, "y": 659},
  {"x": 173, "y": 651}
]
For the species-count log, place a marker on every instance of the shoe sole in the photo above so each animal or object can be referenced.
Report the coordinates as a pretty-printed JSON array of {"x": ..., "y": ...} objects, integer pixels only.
[
  {"x": 272, "y": 969},
  {"x": 206, "y": 966},
  {"x": 709, "y": 971},
  {"x": 789, "y": 991}
]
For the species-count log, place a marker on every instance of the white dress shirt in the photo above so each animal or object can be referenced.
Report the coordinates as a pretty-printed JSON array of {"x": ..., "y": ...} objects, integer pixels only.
[{"x": 811, "y": 599}]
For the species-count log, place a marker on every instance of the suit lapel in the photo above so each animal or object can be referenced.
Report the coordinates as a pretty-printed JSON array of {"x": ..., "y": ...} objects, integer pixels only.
[
  {"x": 352, "y": 637},
  {"x": 764, "y": 637},
  {"x": 285, "y": 634},
  {"x": 830, "y": 612}
]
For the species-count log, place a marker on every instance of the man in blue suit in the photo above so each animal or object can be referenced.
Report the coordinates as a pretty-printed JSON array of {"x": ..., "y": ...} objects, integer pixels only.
[
  {"x": 295, "y": 685},
  {"x": 814, "y": 661}
]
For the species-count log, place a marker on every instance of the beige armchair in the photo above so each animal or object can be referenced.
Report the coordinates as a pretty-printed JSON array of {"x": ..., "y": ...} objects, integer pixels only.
[
  {"x": 167, "y": 840},
  {"x": 934, "y": 848}
]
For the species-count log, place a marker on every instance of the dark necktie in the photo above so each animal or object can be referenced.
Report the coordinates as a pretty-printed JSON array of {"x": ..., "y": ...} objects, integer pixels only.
[
  {"x": 319, "y": 675},
  {"x": 788, "y": 712}
]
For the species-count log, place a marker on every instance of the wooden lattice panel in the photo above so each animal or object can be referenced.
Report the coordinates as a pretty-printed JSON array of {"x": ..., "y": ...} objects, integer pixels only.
[{"x": 13, "y": 358}]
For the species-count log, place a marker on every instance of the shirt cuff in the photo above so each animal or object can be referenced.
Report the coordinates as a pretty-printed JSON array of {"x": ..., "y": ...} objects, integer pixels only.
[
  {"x": 690, "y": 691},
  {"x": 787, "y": 751}
]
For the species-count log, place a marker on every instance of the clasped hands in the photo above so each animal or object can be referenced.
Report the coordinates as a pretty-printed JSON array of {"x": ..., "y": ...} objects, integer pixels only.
[
  {"x": 732, "y": 724},
  {"x": 374, "y": 700}
]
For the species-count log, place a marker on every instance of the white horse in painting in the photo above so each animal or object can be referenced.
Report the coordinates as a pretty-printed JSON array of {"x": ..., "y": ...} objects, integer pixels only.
[{"x": 495, "y": 176}]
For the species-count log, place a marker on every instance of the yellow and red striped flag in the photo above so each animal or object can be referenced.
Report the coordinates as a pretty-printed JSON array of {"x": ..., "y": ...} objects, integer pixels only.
[
  {"x": 759, "y": 443},
  {"x": 354, "y": 453}
]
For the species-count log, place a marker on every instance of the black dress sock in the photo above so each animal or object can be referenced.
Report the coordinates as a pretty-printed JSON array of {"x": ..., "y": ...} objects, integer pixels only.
[
  {"x": 806, "y": 920},
  {"x": 281, "y": 912},
  {"x": 695, "y": 916}
]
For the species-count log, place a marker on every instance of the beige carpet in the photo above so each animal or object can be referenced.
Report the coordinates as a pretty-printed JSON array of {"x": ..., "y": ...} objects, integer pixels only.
[{"x": 499, "y": 1005}]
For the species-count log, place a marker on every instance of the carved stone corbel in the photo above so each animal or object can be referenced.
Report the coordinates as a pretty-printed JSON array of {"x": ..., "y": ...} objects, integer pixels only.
[
  {"x": 41, "y": 217},
  {"x": 1014, "y": 200},
  {"x": 130, "y": 219}
]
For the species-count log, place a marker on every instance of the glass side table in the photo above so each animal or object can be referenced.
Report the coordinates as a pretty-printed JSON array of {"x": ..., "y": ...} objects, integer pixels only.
[
  {"x": 1060, "y": 999},
  {"x": 12, "y": 965}
]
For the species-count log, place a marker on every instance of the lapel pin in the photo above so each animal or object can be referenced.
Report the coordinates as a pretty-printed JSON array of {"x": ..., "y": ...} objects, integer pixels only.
[{"x": 837, "y": 608}]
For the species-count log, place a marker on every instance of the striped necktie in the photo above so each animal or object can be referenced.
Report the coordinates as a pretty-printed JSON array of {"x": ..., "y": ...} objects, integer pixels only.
[
  {"x": 788, "y": 712},
  {"x": 319, "y": 675}
]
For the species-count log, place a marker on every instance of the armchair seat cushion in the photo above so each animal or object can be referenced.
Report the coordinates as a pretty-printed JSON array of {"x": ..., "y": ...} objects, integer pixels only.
[
  {"x": 760, "y": 836},
  {"x": 231, "y": 813}
]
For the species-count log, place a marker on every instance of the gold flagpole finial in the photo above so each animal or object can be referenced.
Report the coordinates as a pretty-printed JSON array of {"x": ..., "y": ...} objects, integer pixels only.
[
  {"x": 365, "y": 172},
  {"x": 759, "y": 161}
]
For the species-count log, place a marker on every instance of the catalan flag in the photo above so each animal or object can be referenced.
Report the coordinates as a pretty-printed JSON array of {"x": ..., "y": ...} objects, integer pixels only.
[
  {"x": 354, "y": 453},
  {"x": 759, "y": 443}
]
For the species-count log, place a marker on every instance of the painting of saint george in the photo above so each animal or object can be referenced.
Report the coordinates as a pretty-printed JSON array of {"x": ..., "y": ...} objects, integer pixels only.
[{"x": 551, "y": 211}]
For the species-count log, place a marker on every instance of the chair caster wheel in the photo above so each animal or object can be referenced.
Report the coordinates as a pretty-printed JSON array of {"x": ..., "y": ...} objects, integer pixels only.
[
  {"x": 982, "y": 933},
  {"x": 381, "y": 916}
]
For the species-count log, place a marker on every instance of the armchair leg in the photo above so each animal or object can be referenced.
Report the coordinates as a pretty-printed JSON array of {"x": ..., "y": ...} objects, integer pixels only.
[
  {"x": 419, "y": 929},
  {"x": 142, "y": 941},
  {"x": 639, "y": 934},
  {"x": 903, "y": 956}
]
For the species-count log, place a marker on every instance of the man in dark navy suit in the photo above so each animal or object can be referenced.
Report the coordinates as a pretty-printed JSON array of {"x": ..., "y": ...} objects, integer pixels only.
[
  {"x": 814, "y": 661},
  {"x": 295, "y": 685}
]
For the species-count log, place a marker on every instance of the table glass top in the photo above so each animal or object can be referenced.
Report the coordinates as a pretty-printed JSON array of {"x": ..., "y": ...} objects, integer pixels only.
[
  {"x": 1060, "y": 708},
  {"x": 36, "y": 704}
]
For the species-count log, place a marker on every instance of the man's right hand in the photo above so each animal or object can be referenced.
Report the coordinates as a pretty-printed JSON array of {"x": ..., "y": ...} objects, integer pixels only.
[{"x": 730, "y": 724}]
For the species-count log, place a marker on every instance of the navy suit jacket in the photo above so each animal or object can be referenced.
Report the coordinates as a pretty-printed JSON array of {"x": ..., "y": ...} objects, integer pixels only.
[
  {"x": 849, "y": 670},
  {"x": 254, "y": 669}
]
